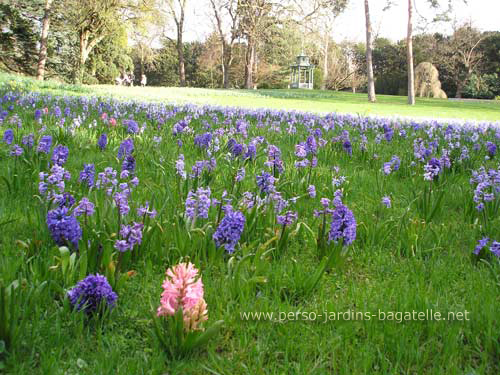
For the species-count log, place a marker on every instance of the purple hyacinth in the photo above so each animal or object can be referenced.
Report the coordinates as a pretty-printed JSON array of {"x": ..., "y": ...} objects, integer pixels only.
[
  {"x": 251, "y": 152},
  {"x": 392, "y": 165},
  {"x": 229, "y": 231},
  {"x": 8, "y": 136},
  {"x": 347, "y": 147},
  {"x": 495, "y": 248},
  {"x": 126, "y": 148},
  {"x": 300, "y": 150},
  {"x": 491, "y": 148},
  {"x": 92, "y": 294},
  {"x": 337, "y": 200},
  {"x": 203, "y": 140},
  {"x": 28, "y": 140},
  {"x": 128, "y": 164},
  {"x": 121, "y": 201},
  {"x": 63, "y": 227},
  {"x": 45, "y": 144},
  {"x": 179, "y": 167},
  {"x": 16, "y": 150},
  {"x": 386, "y": 201},
  {"x": 88, "y": 174},
  {"x": 57, "y": 111},
  {"x": 197, "y": 204},
  {"x": 388, "y": 132},
  {"x": 131, "y": 235},
  {"x": 483, "y": 242},
  {"x": 311, "y": 145},
  {"x": 343, "y": 226},
  {"x": 432, "y": 169},
  {"x": 145, "y": 210},
  {"x": 132, "y": 127},
  {"x": 311, "y": 190},
  {"x": 84, "y": 207},
  {"x": 240, "y": 175},
  {"x": 64, "y": 200},
  {"x": 60, "y": 155},
  {"x": 102, "y": 141},
  {"x": 237, "y": 150},
  {"x": 274, "y": 159},
  {"x": 287, "y": 219},
  {"x": 265, "y": 182}
]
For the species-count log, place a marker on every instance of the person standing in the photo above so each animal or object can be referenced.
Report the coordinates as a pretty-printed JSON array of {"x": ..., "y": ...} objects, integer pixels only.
[{"x": 144, "y": 80}]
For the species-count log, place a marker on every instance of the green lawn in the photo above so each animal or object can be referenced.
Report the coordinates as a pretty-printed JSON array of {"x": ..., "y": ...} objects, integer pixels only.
[
  {"x": 312, "y": 100},
  {"x": 300, "y": 100}
]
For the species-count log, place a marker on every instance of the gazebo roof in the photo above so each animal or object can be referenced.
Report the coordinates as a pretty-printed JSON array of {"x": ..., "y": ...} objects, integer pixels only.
[{"x": 302, "y": 60}]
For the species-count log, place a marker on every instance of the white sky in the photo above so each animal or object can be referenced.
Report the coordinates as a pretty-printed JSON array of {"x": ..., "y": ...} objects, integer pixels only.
[{"x": 485, "y": 15}]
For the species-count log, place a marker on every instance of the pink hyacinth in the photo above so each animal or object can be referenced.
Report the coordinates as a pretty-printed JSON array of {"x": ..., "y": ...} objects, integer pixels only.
[{"x": 183, "y": 288}]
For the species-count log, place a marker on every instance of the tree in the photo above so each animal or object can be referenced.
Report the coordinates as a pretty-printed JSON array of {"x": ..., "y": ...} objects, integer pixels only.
[
  {"x": 461, "y": 55},
  {"x": 109, "y": 59},
  {"x": 317, "y": 17},
  {"x": 356, "y": 61},
  {"x": 177, "y": 9},
  {"x": 227, "y": 39},
  {"x": 327, "y": 13},
  {"x": 409, "y": 47},
  {"x": 254, "y": 15},
  {"x": 369, "y": 64},
  {"x": 490, "y": 49},
  {"x": 42, "y": 58},
  {"x": 93, "y": 21},
  {"x": 18, "y": 35}
]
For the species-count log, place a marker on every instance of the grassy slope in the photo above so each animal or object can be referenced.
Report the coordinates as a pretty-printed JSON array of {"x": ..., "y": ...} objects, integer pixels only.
[
  {"x": 301, "y": 100},
  {"x": 314, "y": 101}
]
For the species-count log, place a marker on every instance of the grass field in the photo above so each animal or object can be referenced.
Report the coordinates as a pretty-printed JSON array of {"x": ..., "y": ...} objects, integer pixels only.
[
  {"x": 342, "y": 302},
  {"x": 299, "y": 100}
]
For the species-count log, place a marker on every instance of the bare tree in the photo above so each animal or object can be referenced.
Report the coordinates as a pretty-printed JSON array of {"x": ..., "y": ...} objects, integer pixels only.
[
  {"x": 177, "y": 9},
  {"x": 253, "y": 18},
  {"x": 369, "y": 62},
  {"x": 461, "y": 56},
  {"x": 317, "y": 17},
  {"x": 409, "y": 47},
  {"x": 42, "y": 57},
  {"x": 327, "y": 13},
  {"x": 226, "y": 8}
]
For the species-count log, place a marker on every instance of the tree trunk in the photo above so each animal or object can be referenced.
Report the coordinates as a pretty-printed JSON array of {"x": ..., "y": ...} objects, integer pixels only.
[
  {"x": 227, "y": 57},
  {"x": 462, "y": 83},
  {"x": 83, "y": 55},
  {"x": 460, "y": 88},
  {"x": 225, "y": 78},
  {"x": 369, "y": 63},
  {"x": 86, "y": 47},
  {"x": 325, "y": 63},
  {"x": 255, "y": 67},
  {"x": 42, "y": 57},
  {"x": 249, "y": 63},
  {"x": 180, "y": 52},
  {"x": 409, "y": 42}
]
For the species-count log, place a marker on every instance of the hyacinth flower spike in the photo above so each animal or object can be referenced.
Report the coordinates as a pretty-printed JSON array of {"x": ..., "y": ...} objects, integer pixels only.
[{"x": 178, "y": 321}]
